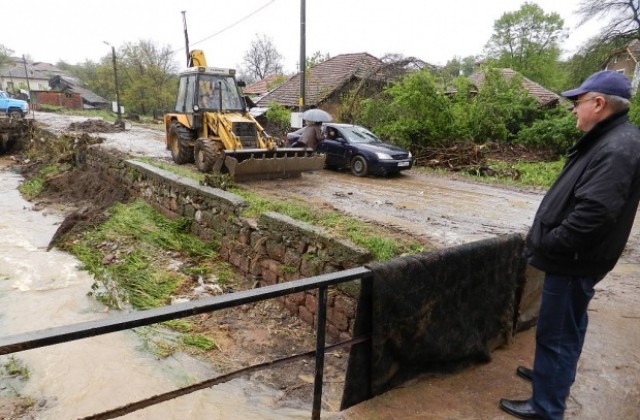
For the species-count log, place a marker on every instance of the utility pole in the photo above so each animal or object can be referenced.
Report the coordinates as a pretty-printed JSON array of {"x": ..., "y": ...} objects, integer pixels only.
[
  {"x": 186, "y": 37},
  {"x": 119, "y": 121},
  {"x": 26, "y": 74},
  {"x": 303, "y": 54}
]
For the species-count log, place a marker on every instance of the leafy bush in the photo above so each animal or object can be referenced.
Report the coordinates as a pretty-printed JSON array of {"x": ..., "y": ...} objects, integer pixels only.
[
  {"x": 417, "y": 113},
  {"x": 557, "y": 132},
  {"x": 279, "y": 119}
]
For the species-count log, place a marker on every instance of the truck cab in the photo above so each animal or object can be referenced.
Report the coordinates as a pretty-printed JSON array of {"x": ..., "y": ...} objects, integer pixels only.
[{"x": 13, "y": 108}]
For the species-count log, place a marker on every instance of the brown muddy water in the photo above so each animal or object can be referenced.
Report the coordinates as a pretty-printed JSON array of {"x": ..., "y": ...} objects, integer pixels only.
[{"x": 40, "y": 289}]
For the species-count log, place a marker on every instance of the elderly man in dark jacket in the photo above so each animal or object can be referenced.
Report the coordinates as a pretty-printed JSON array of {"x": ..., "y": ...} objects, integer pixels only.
[{"x": 578, "y": 234}]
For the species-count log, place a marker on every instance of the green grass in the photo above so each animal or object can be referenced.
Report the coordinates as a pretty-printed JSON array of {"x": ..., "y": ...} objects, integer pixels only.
[
  {"x": 199, "y": 341},
  {"x": 522, "y": 174},
  {"x": 536, "y": 174},
  {"x": 175, "y": 169},
  {"x": 15, "y": 367},
  {"x": 140, "y": 236},
  {"x": 32, "y": 187},
  {"x": 381, "y": 246}
]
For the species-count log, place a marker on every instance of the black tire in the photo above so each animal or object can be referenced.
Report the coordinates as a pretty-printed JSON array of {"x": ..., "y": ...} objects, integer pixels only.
[
  {"x": 205, "y": 154},
  {"x": 180, "y": 139},
  {"x": 15, "y": 114},
  {"x": 359, "y": 166}
]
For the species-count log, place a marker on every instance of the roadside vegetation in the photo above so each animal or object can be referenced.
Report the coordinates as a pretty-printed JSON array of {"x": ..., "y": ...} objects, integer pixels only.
[
  {"x": 382, "y": 244},
  {"x": 141, "y": 259}
]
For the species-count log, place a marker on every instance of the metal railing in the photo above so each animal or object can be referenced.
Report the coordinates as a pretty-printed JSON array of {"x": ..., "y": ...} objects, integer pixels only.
[{"x": 66, "y": 333}]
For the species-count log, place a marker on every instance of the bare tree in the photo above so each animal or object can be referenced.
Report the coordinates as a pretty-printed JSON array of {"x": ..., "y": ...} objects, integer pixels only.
[
  {"x": 262, "y": 59},
  {"x": 622, "y": 17}
]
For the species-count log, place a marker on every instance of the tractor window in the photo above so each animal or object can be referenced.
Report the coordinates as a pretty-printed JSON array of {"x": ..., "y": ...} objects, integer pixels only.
[
  {"x": 184, "y": 103},
  {"x": 210, "y": 87},
  {"x": 182, "y": 93},
  {"x": 188, "y": 107}
]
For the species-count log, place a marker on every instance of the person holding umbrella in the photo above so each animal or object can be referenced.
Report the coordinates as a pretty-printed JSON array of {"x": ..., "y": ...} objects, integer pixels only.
[{"x": 312, "y": 134}]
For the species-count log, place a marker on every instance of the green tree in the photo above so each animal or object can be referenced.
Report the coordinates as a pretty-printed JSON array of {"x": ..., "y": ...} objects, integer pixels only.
[
  {"x": 500, "y": 108},
  {"x": 412, "y": 112},
  {"x": 458, "y": 66},
  {"x": 317, "y": 58},
  {"x": 527, "y": 41},
  {"x": 148, "y": 77}
]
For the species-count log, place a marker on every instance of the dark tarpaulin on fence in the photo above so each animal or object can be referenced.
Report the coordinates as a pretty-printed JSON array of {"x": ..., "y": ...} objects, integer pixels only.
[{"x": 433, "y": 312}]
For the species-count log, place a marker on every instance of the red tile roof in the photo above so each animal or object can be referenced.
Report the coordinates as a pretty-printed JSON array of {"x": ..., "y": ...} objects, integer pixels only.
[
  {"x": 262, "y": 86},
  {"x": 323, "y": 79}
]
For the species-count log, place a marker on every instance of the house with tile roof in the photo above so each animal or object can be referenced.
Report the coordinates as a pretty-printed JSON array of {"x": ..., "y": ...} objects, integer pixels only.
[
  {"x": 543, "y": 96},
  {"x": 260, "y": 88},
  {"x": 17, "y": 75},
  {"x": 325, "y": 82},
  {"x": 626, "y": 61}
]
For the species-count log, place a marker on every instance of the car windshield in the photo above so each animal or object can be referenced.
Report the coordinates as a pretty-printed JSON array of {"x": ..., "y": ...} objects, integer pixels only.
[{"x": 356, "y": 134}]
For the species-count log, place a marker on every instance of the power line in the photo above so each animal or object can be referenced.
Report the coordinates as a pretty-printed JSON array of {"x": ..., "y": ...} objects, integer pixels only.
[{"x": 234, "y": 23}]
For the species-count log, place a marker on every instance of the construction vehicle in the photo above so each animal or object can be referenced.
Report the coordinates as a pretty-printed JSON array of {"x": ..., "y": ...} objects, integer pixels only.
[{"x": 212, "y": 126}]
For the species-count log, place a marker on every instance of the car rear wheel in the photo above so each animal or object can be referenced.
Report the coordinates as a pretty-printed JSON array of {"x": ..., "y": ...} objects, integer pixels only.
[{"x": 359, "y": 166}]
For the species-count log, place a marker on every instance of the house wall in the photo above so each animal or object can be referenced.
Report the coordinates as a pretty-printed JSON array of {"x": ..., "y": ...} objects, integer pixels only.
[
  {"x": 11, "y": 83},
  {"x": 622, "y": 63},
  {"x": 64, "y": 99}
]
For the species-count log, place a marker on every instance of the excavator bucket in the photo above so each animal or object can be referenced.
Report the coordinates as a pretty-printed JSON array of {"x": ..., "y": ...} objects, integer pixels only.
[{"x": 248, "y": 164}]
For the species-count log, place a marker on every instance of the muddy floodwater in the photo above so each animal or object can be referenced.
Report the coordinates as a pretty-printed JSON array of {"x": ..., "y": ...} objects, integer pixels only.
[{"x": 40, "y": 289}]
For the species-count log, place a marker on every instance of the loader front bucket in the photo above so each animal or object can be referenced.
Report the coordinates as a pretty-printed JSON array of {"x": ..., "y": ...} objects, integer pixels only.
[{"x": 250, "y": 164}]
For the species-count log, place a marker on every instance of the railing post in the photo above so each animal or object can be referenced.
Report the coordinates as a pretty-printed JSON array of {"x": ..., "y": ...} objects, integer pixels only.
[{"x": 321, "y": 322}]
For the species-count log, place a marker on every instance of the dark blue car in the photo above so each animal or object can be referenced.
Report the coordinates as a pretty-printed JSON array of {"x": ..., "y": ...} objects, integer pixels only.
[{"x": 361, "y": 151}]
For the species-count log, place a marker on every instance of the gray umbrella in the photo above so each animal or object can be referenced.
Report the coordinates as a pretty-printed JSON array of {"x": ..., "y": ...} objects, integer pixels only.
[{"x": 316, "y": 115}]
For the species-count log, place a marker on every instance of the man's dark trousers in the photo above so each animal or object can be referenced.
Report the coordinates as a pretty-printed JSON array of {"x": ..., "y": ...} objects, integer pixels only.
[{"x": 561, "y": 329}]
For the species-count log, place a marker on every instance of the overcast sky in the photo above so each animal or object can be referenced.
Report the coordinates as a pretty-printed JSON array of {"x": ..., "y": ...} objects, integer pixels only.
[{"x": 434, "y": 31}]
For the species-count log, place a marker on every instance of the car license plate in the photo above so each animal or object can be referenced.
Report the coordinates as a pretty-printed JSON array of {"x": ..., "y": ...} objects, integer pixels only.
[{"x": 403, "y": 163}]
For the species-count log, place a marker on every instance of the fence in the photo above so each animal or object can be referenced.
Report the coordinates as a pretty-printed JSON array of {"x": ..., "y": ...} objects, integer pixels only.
[{"x": 52, "y": 336}]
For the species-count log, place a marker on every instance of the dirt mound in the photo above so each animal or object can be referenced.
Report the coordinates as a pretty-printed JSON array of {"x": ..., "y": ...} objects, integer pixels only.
[
  {"x": 88, "y": 194},
  {"x": 95, "y": 126}
]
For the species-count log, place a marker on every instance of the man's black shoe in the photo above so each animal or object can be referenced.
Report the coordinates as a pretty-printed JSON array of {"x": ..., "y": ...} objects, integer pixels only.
[
  {"x": 525, "y": 373},
  {"x": 519, "y": 409}
]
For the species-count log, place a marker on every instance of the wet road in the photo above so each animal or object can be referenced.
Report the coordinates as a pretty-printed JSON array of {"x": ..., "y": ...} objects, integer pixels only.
[{"x": 439, "y": 209}]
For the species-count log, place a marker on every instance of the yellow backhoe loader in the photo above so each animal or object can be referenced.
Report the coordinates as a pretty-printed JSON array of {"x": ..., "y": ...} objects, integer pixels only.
[{"x": 211, "y": 126}]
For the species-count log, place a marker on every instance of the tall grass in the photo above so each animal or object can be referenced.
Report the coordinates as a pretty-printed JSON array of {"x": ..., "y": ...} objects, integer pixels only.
[{"x": 140, "y": 241}]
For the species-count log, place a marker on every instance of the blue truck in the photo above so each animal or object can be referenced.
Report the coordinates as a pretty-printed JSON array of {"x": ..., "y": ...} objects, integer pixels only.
[{"x": 13, "y": 108}]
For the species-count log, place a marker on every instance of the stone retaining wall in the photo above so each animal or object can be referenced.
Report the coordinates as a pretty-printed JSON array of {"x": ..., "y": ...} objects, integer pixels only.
[{"x": 271, "y": 249}]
